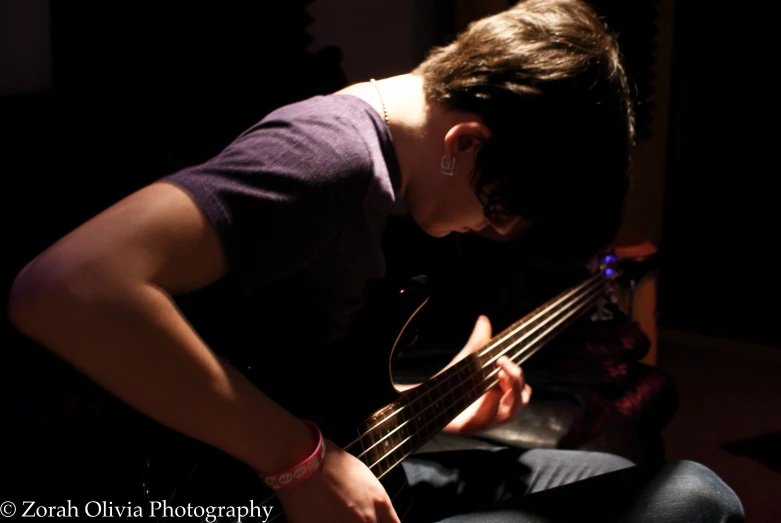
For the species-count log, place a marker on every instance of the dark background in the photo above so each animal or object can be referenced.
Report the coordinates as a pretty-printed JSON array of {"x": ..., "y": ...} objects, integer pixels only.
[
  {"x": 138, "y": 90},
  {"x": 720, "y": 217},
  {"x": 125, "y": 92}
]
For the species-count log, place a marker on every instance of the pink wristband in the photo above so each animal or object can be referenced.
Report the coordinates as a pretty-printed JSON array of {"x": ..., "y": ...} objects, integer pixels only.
[{"x": 298, "y": 473}]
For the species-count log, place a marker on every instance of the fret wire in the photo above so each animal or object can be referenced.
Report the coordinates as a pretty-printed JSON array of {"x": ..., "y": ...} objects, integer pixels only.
[
  {"x": 540, "y": 340},
  {"x": 553, "y": 303},
  {"x": 436, "y": 381}
]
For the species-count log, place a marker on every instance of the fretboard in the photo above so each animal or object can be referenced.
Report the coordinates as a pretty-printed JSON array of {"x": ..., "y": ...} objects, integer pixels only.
[{"x": 420, "y": 413}]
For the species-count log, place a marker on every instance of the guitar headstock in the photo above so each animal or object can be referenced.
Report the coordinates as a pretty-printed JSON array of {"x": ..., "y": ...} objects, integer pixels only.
[
  {"x": 625, "y": 271},
  {"x": 622, "y": 275},
  {"x": 609, "y": 265}
]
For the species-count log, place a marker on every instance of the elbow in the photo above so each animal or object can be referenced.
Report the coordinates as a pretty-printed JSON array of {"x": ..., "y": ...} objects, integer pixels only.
[
  {"x": 45, "y": 292},
  {"x": 30, "y": 291},
  {"x": 21, "y": 299}
]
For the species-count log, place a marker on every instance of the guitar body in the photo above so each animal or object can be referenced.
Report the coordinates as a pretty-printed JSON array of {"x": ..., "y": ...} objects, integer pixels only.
[{"x": 345, "y": 400}]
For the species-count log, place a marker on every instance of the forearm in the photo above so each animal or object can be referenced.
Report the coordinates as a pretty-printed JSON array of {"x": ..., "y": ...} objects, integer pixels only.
[{"x": 133, "y": 341}]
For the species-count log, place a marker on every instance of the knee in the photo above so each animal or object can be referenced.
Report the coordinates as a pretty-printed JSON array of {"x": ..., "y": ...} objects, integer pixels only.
[{"x": 703, "y": 494}]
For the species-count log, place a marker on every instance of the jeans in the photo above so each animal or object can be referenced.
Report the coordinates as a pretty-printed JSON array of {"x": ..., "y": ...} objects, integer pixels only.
[{"x": 506, "y": 485}]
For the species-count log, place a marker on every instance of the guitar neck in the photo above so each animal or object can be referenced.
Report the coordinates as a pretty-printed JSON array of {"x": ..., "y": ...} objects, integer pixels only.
[{"x": 405, "y": 425}]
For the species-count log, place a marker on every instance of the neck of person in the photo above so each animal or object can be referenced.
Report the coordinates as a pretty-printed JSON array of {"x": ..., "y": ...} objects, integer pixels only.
[{"x": 408, "y": 113}]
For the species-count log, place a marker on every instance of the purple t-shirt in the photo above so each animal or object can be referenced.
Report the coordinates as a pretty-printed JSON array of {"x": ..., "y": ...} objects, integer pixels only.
[{"x": 300, "y": 201}]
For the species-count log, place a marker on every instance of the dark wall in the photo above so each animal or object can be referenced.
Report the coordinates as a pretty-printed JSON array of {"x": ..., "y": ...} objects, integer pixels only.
[
  {"x": 635, "y": 25},
  {"x": 139, "y": 90},
  {"x": 721, "y": 219}
]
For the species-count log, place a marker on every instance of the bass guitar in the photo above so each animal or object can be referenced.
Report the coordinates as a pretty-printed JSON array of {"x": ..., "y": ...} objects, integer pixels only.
[{"x": 372, "y": 420}]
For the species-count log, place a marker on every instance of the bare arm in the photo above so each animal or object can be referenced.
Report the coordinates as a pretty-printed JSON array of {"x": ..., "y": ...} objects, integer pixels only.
[{"x": 100, "y": 298}]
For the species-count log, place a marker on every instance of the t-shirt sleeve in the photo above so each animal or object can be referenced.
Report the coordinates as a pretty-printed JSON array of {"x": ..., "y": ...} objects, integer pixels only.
[{"x": 279, "y": 195}]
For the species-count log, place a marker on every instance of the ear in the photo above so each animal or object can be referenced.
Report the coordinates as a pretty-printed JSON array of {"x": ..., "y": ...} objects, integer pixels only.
[{"x": 465, "y": 137}]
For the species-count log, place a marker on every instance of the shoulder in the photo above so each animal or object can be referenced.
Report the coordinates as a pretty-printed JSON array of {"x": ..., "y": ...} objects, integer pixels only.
[
  {"x": 322, "y": 140},
  {"x": 341, "y": 110}
]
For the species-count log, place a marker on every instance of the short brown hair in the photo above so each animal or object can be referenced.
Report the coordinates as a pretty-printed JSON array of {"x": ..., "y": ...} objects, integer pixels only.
[{"x": 546, "y": 77}]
